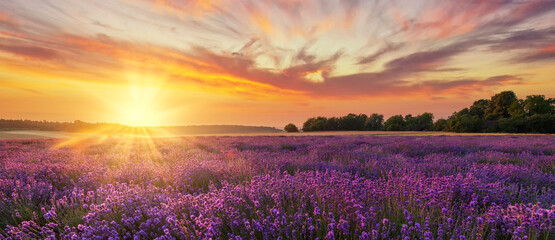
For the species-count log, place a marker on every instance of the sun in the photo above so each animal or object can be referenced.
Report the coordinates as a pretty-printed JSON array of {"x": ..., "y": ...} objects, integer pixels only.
[
  {"x": 141, "y": 108},
  {"x": 136, "y": 115},
  {"x": 145, "y": 101}
]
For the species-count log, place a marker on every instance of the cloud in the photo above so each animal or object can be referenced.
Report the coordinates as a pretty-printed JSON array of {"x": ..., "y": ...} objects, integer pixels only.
[
  {"x": 529, "y": 38},
  {"x": 197, "y": 7},
  {"x": 296, "y": 47},
  {"x": 371, "y": 85},
  {"x": 392, "y": 80},
  {"x": 542, "y": 54},
  {"x": 390, "y": 47},
  {"x": 522, "y": 11},
  {"x": 423, "y": 61},
  {"x": 31, "y": 52},
  {"x": 447, "y": 19},
  {"x": 7, "y": 21}
]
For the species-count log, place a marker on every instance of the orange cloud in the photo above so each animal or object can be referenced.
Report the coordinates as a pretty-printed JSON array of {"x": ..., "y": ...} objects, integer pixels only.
[
  {"x": 216, "y": 70},
  {"x": 445, "y": 19},
  {"x": 548, "y": 49},
  {"x": 5, "y": 18},
  {"x": 30, "y": 52},
  {"x": 195, "y": 7},
  {"x": 262, "y": 21}
]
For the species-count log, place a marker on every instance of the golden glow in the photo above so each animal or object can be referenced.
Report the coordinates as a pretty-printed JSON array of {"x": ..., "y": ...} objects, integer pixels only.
[
  {"x": 315, "y": 76},
  {"x": 140, "y": 109},
  {"x": 145, "y": 103},
  {"x": 167, "y": 62}
]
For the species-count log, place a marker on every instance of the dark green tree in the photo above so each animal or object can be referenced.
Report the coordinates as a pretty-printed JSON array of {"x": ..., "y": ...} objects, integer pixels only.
[
  {"x": 479, "y": 107},
  {"x": 314, "y": 124},
  {"x": 538, "y": 104},
  {"x": 512, "y": 125},
  {"x": 425, "y": 122},
  {"x": 307, "y": 125},
  {"x": 291, "y": 128},
  {"x": 374, "y": 122},
  {"x": 395, "y": 123},
  {"x": 410, "y": 123},
  {"x": 463, "y": 121},
  {"x": 516, "y": 110},
  {"x": 441, "y": 125},
  {"x": 498, "y": 107},
  {"x": 541, "y": 123},
  {"x": 332, "y": 124},
  {"x": 352, "y": 122},
  {"x": 319, "y": 124}
]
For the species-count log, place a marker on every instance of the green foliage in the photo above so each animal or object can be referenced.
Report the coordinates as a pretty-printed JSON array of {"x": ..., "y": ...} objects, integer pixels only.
[
  {"x": 291, "y": 128},
  {"x": 541, "y": 123},
  {"x": 315, "y": 124},
  {"x": 441, "y": 125},
  {"x": 512, "y": 125},
  {"x": 516, "y": 110},
  {"x": 498, "y": 107},
  {"x": 479, "y": 107},
  {"x": 410, "y": 122},
  {"x": 352, "y": 122},
  {"x": 463, "y": 121},
  {"x": 423, "y": 122},
  {"x": 504, "y": 112},
  {"x": 349, "y": 122},
  {"x": 538, "y": 104},
  {"x": 332, "y": 124},
  {"x": 374, "y": 122},
  {"x": 395, "y": 123}
]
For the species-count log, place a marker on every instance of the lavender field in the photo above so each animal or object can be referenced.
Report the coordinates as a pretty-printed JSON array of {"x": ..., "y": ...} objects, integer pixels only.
[{"x": 294, "y": 187}]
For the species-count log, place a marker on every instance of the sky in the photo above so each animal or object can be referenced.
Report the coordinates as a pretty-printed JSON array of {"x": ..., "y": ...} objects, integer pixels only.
[{"x": 267, "y": 62}]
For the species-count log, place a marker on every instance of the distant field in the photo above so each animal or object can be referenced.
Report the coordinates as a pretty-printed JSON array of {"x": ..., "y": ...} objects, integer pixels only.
[{"x": 33, "y": 134}]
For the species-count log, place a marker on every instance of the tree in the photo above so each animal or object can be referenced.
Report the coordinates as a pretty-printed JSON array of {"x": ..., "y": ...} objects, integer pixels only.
[
  {"x": 516, "y": 110},
  {"x": 425, "y": 122},
  {"x": 463, "y": 121},
  {"x": 512, "y": 125},
  {"x": 541, "y": 123},
  {"x": 319, "y": 124},
  {"x": 410, "y": 123},
  {"x": 499, "y": 105},
  {"x": 395, "y": 123},
  {"x": 332, "y": 124},
  {"x": 538, "y": 104},
  {"x": 479, "y": 107},
  {"x": 374, "y": 122},
  {"x": 352, "y": 122},
  {"x": 291, "y": 128},
  {"x": 441, "y": 125},
  {"x": 314, "y": 124},
  {"x": 307, "y": 125}
]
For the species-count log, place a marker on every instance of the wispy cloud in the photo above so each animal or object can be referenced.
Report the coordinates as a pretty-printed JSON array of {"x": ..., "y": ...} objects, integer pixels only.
[
  {"x": 323, "y": 49},
  {"x": 30, "y": 52}
]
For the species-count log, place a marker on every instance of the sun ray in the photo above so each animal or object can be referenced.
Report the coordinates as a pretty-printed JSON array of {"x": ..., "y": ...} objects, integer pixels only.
[{"x": 140, "y": 108}]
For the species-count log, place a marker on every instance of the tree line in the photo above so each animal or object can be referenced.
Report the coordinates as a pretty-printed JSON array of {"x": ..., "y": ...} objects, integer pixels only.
[
  {"x": 504, "y": 112},
  {"x": 75, "y": 126},
  {"x": 363, "y": 122}
]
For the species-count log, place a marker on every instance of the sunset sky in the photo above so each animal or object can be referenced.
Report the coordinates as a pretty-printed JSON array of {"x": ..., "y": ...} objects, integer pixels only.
[{"x": 266, "y": 62}]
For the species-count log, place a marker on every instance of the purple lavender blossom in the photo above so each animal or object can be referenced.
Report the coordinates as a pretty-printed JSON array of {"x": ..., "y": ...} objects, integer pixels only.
[{"x": 327, "y": 187}]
